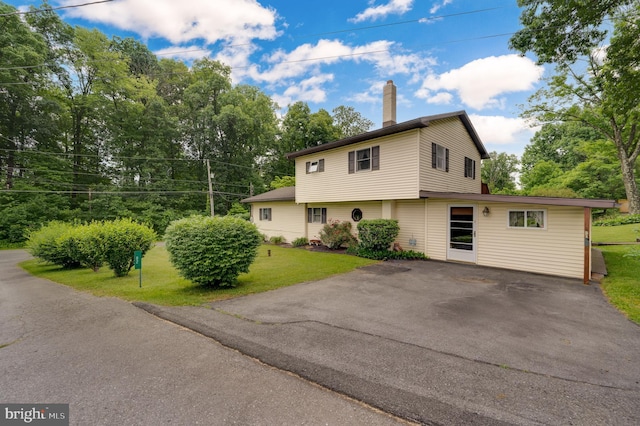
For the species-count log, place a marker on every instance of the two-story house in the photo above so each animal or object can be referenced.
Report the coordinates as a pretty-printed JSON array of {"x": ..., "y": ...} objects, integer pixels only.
[{"x": 426, "y": 174}]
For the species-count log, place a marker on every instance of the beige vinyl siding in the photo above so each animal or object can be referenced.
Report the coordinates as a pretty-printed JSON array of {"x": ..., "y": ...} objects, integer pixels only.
[
  {"x": 397, "y": 177},
  {"x": 342, "y": 212},
  {"x": 436, "y": 216},
  {"x": 556, "y": 250},
  {"x": 410, "y": 215},
  {"x": 287, "y": 219},
  {"x": 449, "y": 133}
]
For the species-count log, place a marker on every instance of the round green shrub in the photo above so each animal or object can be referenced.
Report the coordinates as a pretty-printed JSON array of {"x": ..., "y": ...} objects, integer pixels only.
[
  {"x": 377, "y": 234},
  {"x": 53, "y": 243},
  {"x": 121, "y": 238},
  {"x": 91, "y": 244},
  {"x": 212, "y": 250}
]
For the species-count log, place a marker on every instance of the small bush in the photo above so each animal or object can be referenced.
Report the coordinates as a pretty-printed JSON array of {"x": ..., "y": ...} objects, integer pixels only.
[
  {"x": 121, "y": 238},
  {"x": 49, "y": 244},
  {"x": 618, "y": 220},
  {"x": 336, "y": 234},
  {"x": 300, "y": 242},
  {"x": 212, "y": 251},
  {"x": 277, "y": 239},
  {"x": 377, "y": 234},
  {"x": 92, "y": 246}
]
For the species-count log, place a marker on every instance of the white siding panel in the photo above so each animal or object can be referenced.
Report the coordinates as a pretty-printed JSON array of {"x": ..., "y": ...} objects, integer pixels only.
[
  {"x": 396, "y": 179},
  {"x": 449, "y": 133},
  {"x": 287, "y": 219},
  {"x": 437, "y": 229},
  {"x": 558, "y": 250},
  {"x": 410, "y": 215}
]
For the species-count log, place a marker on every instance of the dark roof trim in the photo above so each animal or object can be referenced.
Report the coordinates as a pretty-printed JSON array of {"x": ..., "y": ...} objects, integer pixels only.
[
  {"x": 418, "y": 123},
  {"x": 288, "y": 193},
  {"x": 496, "y": 198}
]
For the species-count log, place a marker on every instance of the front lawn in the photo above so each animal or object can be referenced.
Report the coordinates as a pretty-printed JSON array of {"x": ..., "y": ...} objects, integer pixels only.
[
  {"x": 622, "y": 285},
  {"x": 162, "y": 285},
  {"x": 615, "y": 234}
]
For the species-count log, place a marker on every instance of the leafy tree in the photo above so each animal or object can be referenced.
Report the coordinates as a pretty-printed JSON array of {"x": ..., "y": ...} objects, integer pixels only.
[
  {"x": 498, "y": 172},
  {"x": 282, "y": 182},
  {"x": 350, "y": 122},
  {"x": 602, "y": 96}
]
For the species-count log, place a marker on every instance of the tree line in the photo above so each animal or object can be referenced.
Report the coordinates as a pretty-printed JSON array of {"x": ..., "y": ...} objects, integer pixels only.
[{"x": 95, "y": 128}]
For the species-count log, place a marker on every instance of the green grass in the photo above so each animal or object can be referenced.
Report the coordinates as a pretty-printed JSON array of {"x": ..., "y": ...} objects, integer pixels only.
[
  {"x": 622, "y": 285},
  {"x": 162, "y": 285},
  {"x": 611, "y": 234}
]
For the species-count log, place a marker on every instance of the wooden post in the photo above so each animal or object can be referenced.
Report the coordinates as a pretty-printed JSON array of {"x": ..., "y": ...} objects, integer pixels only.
[
  {"x": 587, "y": 245},
  {"x": 210, "y": 189}
]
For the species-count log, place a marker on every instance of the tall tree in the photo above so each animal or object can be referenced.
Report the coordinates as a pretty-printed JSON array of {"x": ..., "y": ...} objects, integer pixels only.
[
  {"x": 350, "y": 122},
  {"x": 498, "y": 172},
  {"x": 603, "y": 96}
]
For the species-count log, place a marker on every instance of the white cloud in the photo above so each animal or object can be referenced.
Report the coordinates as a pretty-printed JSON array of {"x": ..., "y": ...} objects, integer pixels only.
[
  {"x": 186, "y": 20},
  {"x": 184, "y": 53},
  {"x": 437, "y": 6},
  {"x": 480, "y": 83},
  {"x": 308, "y": 57},
  {"x": 442, "y": 98},
  {"x": 397, "y": 7},
  {"x": 500, "y": 130},
  {"x": 308, "y": 90}
]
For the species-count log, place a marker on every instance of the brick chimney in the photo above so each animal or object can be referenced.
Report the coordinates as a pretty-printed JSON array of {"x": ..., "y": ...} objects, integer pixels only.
[{"x": 389, "y": 104}]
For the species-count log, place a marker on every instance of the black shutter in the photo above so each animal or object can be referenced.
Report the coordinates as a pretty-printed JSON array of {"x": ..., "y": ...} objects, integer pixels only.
[
  {"x": 352, "y": 162},
  {"x": 434, "y": 156},
  {"x": 474, "y": 168},
  {"x": 321, "y": 165},
  {"x": 308, "y": 166},
  {"x": 309, "y": 215},
  {"x": 324, "y": 215},
  {"x": 467, "y": 167},
  {"x": 447, "y": 160},
  {"x": 375, "y": 157}
]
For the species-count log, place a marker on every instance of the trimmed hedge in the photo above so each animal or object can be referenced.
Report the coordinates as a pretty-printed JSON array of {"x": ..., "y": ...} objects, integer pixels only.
[
  {"x": 212, "y": 250},
  {"x": 387, "y": 254},
  {"x": 618, "y": 220},
  {"x": 51, "y": 244},
  {"x": 377, "y": 234},
  {"x": 72, "y": 246}
]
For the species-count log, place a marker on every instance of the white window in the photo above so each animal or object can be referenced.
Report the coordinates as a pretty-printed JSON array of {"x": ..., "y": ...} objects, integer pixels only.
[
  {"x": 439, "y": 157},
  {"x": 469, "y": 168},
  {"x": 315, "y": 166},
  {"x": 317, "y": 215},
  {"x": 536, "y": 219},
  {"x": 364, "y": 159},
  {"x": 265, "y": 214}
]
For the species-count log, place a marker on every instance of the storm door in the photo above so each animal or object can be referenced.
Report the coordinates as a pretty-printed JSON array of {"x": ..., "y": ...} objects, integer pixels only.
[{"x": 462, "y": 233}]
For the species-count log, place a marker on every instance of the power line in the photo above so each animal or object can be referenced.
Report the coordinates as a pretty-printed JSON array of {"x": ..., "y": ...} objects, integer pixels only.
[
  {"x": 48, "y": 9},
  {"x": 27, "y": 191}
]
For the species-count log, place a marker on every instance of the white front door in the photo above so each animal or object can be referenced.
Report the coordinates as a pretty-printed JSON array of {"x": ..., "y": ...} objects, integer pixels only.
[{"x": 461, "y": 241}]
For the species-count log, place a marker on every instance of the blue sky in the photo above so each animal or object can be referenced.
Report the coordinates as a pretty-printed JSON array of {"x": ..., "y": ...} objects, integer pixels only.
[{"x": 443, "y": 55}]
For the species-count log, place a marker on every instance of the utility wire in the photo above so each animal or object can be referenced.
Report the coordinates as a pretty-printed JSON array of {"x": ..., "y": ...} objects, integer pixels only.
[
  {"x": 27, "y": 191},
  {"x": 48, "y": 9}
]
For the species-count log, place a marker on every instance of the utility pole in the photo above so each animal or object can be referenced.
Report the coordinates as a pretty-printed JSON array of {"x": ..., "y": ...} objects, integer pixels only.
[{"x": 210, "y": 188}]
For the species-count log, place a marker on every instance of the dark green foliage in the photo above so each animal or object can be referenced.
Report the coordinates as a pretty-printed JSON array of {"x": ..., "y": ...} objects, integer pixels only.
[
  {"x": 386, "y": 254},
  {"x": 121, "y": 238},
  {"x": 212, "y": 250},
  {"x": 300, "y": 242},
  {"x": 336, "y": 234},
  {"x": 618, "y": 220},
  {"x": 239, "y": 211},
  {"x": 377, "y": 234},
  {"x": 51, "y": 244}
]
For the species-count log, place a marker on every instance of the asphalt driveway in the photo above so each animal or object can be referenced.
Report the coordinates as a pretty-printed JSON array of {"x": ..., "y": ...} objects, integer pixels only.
[{"x": 444, "y": 343}]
